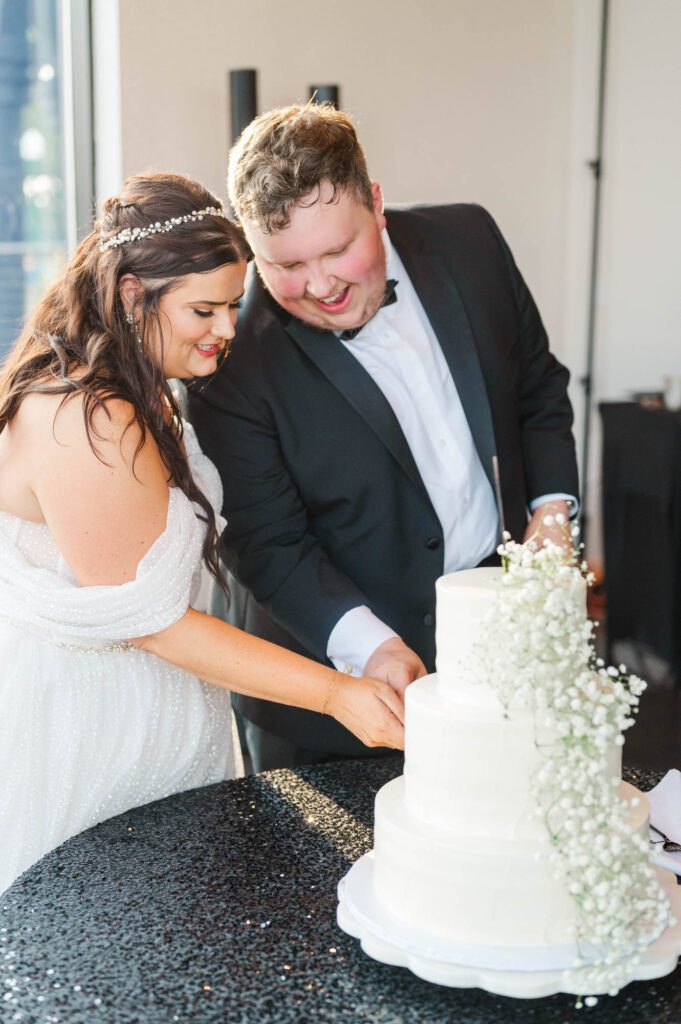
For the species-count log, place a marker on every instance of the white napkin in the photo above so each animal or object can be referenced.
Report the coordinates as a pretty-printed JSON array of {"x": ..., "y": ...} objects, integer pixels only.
[{"x": 665, "y": 814}]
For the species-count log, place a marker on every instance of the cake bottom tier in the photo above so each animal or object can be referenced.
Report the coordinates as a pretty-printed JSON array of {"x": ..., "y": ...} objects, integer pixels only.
[{"x": 468, "y": 889}]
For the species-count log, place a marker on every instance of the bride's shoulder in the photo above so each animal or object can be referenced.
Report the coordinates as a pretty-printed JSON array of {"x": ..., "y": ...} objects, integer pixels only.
[
  {"x": 100, "y": 447},
  {"x": 104, "y": 497},
  {"x": 51, "y": 420}
]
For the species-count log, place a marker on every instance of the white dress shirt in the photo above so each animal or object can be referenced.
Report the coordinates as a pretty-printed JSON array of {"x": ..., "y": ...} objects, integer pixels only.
[{"x": 399, "y": 350}]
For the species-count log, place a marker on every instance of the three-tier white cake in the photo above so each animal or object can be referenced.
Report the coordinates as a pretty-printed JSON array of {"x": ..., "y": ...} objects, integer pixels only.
[
  {"x": 461, "y": 869},
  {"x": 458, "y": 843}
]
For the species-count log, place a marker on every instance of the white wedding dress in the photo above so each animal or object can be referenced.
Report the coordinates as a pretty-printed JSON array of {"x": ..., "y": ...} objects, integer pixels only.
[{"x": 89, "y": 729}]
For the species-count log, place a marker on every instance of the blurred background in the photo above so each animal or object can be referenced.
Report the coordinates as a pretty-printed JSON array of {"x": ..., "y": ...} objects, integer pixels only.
[{"x": 560, "y": 116}]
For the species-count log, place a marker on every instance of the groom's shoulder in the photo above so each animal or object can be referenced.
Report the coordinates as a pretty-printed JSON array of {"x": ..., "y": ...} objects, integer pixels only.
[
  {"x": 261, "y": 320},
  {"x": 258, "y": 308},
  {"x": 440, "y": 224}
]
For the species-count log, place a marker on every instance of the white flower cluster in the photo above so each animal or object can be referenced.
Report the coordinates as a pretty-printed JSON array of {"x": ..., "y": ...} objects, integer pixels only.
[
  {"x": 159, "y": 227},
  {"x": 543, "y": 658}
]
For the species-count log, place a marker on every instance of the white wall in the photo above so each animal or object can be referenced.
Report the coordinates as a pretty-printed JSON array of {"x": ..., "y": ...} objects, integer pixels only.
[
  {"x": 638, "y": 321},
  {"x": 484, "y": 100},
  {"x": 639, "y": 304},
  {"x": 454, "y": 99}
]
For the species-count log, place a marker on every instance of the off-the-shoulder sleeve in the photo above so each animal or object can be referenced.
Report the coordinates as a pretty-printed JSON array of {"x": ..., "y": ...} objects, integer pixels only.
[{"x": 44, "y": 603}]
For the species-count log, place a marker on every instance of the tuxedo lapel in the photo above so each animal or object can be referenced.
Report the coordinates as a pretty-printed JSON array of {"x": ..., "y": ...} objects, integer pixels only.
[
  {"x": 435, "y": 285},
  {"x": 341, "y": 368}
]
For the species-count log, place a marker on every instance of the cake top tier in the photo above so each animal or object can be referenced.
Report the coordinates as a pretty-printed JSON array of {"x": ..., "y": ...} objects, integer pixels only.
[
  {"x": 464, "y": 600},
  {"x": 468, "y": 603},
  {"x": 487, "y": 579}
]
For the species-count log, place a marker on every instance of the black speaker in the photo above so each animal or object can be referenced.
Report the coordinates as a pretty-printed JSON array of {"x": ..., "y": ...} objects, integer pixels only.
[
  {"x": 243, "y": 99},
  {"x": 326, "y": 94}
]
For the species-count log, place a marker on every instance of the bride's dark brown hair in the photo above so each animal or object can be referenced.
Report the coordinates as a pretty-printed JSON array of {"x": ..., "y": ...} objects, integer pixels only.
[{"x": 79, "y": 341}]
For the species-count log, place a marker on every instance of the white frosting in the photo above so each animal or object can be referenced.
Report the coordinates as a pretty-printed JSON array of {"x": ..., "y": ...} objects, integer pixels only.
[
  {"x": 454, "y": 753},
  {"x": 459, "y": 850},
  {"x": 479, "y": 891},
  {"x": 464, "y": 600}
]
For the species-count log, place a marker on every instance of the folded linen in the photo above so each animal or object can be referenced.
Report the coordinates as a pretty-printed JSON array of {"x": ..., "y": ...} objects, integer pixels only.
[{"x": 664, "y": 801}]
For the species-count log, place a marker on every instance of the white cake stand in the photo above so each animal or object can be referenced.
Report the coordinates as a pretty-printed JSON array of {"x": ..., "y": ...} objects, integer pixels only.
[{"x": 385, "y": 938}]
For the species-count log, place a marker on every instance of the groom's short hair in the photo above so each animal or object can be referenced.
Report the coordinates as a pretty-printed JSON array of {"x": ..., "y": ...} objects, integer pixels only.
[{"x": 281, "y": 158}]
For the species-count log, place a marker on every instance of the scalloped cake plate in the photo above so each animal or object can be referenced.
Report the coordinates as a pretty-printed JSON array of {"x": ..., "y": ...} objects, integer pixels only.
[{"x": 525, "y": 974}]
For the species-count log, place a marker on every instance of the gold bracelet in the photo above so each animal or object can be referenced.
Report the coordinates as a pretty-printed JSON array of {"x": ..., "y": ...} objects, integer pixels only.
[{"x": 329, "y": 693}]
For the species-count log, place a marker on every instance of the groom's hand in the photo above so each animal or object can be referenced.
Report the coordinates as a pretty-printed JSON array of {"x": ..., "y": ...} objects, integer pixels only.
[
  {"x": 395, "y": 663},
  {"x": 551, "y": 522}
]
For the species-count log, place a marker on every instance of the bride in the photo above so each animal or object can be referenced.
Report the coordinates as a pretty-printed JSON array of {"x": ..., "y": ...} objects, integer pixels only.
[{"x": 114, "y": 690}]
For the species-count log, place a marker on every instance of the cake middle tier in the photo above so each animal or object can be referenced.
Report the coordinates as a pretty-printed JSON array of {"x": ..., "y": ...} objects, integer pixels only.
[{"x": 469, "y": 769}]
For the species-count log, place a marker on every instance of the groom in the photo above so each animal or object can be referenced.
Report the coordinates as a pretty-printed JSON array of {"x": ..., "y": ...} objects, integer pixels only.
[{"x": 382, "y": 360}]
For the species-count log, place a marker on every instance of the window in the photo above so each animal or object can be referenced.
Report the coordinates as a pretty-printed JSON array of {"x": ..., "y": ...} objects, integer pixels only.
[{"x": 45, "y": 147}]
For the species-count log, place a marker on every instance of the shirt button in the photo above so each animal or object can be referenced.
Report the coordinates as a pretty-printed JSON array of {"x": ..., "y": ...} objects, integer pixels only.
[
  {"x": 429, "y": 619},
  {"x": 433, "y": 544}
]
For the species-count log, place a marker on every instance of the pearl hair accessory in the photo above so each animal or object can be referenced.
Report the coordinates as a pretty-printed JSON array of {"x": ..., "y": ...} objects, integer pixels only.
[{"x": 159, "y": 228}]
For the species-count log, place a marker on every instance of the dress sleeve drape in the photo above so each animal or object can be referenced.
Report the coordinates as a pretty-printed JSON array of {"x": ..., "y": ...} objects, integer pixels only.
[{"x": 42, "y": 602}]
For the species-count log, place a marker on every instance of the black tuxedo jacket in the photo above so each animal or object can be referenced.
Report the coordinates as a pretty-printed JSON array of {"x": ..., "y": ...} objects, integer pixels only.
[{"x": 324, "y": 504}]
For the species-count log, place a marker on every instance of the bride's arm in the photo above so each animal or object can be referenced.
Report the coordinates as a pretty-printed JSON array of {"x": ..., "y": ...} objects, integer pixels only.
[
  {"x": 226, "y": 656},
  {"x": 104, "y": 516}
]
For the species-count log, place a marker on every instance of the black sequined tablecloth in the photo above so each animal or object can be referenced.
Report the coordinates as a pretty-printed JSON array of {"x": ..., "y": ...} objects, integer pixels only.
[{"x": 219, "y": 905}]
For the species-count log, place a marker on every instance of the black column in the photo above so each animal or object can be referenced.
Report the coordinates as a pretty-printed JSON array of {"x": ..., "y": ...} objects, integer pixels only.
[
  {"x": 326, "y": 94},
  {"x": 243, "y": 100}
]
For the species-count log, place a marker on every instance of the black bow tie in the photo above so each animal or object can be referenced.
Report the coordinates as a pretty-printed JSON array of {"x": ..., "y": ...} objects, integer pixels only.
[{"x": 388, "y": 298}]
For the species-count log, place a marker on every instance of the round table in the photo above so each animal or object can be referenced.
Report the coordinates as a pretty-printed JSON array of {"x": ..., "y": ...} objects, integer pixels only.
[{"x": 219, "y": 905}]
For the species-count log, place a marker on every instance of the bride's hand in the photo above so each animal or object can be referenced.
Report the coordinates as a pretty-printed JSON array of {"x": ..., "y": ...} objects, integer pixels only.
[{"x": 369, "y": 708}]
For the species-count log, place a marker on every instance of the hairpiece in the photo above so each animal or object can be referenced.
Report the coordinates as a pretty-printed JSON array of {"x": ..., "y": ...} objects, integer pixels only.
[{"x": 159, "y": 228}]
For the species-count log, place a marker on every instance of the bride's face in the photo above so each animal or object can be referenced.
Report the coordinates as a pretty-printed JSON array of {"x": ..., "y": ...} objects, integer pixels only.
[{"x": 198, "y": 318}]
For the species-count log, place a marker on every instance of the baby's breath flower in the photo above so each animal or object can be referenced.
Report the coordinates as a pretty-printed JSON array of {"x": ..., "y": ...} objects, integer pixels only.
[{"x": 542, "y": 658}]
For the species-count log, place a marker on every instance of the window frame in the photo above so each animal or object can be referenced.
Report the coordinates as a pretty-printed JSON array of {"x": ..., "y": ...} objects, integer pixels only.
[{"x": 77, "y": 105}]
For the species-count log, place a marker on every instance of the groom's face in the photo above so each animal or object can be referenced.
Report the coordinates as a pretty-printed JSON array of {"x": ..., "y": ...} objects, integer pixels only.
[{"x": 328, "y": 266}]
